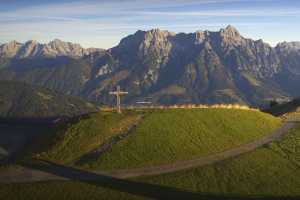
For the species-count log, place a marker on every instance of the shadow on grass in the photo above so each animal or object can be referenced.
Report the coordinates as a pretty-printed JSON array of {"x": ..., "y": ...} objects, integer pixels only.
[{"x": 132, "y": 187}]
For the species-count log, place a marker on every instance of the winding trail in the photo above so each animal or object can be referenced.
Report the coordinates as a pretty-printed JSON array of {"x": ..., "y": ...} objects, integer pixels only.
[
  {"x": 95, "y": 153},
  {"x": 24, "y": 174},
  {"x": 201, "y": 161}
]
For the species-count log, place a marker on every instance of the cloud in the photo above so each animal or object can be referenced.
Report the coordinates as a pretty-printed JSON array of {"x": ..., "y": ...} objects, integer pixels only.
[
  {"x": 225, "y": 13},
  {"x": 77, "y": 9}
]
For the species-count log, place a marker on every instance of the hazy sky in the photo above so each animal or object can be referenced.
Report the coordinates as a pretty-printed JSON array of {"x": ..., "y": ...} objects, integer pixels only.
[{"x": 102, "y": 23}]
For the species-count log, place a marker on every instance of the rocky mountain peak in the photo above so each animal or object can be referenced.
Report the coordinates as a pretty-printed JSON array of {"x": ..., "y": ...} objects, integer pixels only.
[
  {"x": 230, "y": 35},
  {"x": 295, "y": 45},
  {"x": 60, "y": 45},
  {"x": 13, "y": 43},
  {"x": 141, "y": 43},
  {"x": 30, "y": 49},
  {"x": 54, "y": 48},
  {"x": 159, "y": 33},
  {"x": 200, "y": 36},
  {"x": 157, "y": 41},
  {"x": 33, "y": 42},
  {"x": 231, "y": 30},
  {"x": 56, "y": 42},
  {"x": 157, "y": 36},
  {"x": 289, "y": 46},
  {"x": 9, "y": 49}
]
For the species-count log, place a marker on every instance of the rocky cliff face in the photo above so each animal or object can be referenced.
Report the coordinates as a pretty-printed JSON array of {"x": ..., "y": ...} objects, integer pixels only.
[
  {"x": 32, "y": 49},
  {"x": 289, "y": 46},
  {"x": 164, "y": 67},
  {"x": 201, "y": 67},
  {"x": 10, "y": 49}
]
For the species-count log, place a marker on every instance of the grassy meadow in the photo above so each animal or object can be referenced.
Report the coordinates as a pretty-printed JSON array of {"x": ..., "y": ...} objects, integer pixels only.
[
  {"x": 169, "y": 135},
  {"x": 78, "y": 138},
  {"x": 273, "y": 170},
  {"x": 57, "y": 190}
]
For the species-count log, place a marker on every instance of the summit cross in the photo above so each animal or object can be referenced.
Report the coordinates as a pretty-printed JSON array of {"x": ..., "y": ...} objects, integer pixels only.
[{"x": 118, "y": 93}]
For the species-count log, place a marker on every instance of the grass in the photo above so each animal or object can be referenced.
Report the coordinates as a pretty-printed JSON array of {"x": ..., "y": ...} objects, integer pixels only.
[
  {"x": 165, "y": 136},
  {"x": 78, "y": 138},
  {"x": 272, "y": 170},
  {"x": 54, "y": 190},
  {"x": 6, "y": 166}
]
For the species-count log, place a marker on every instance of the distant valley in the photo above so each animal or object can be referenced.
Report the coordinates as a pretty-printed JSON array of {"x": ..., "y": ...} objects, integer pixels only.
[{"x": 23, "y": 101}]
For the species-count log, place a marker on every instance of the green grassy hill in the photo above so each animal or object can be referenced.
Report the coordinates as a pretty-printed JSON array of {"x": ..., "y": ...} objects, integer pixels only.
[
  {"x": 77, "y": 138},
  {"x": 63, "y": 190},
  {"x": 20, "y": 100},
  {"x": 170, "y": 135},
  {"x": 272, "y": 171}
]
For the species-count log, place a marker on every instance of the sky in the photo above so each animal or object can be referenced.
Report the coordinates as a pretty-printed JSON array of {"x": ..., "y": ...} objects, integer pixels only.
[{"x": 103, "y": 23}]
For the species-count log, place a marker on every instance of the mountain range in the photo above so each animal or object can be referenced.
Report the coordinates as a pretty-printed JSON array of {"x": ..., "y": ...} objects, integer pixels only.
[
  {"x": 162, "y": 67},
  {"x": 33, "y": 49}
]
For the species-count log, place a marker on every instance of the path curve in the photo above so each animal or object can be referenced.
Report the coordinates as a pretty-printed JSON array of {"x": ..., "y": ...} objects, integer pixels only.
[
  {"x": 201, "y": 161},
  {"x": 108, "y": 144},
  {"x": 32, "y": 175}
]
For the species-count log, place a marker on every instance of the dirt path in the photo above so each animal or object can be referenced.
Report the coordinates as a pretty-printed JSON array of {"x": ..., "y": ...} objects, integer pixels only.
[
  {"x": 205, "y": 160},
  {"x": 31, "y": 175},
  {"x": 107, "y": 145}
]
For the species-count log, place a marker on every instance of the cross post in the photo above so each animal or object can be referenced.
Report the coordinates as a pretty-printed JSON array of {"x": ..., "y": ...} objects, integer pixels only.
[{"x": 118, "y": 93}]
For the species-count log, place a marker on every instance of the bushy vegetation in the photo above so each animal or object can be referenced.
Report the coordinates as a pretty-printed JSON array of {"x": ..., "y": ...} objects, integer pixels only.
[
  {"x": 290, "y": 107},
  {"x": 78, "y": 138},
  {"x": 271, "y": 170},
  {"x": 170, "y": 135}
]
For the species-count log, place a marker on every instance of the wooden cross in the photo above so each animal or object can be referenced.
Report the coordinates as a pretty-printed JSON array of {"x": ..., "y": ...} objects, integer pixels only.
[{"x": 118, "y": 93}]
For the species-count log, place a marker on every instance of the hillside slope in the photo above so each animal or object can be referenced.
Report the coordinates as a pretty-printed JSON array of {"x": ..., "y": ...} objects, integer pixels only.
[
  {"x": 19, "y": 100},
  {"x": 269, "y": 171},
  {"x": 76, "y": 139},
  {"x": 172, "y": 135}
]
